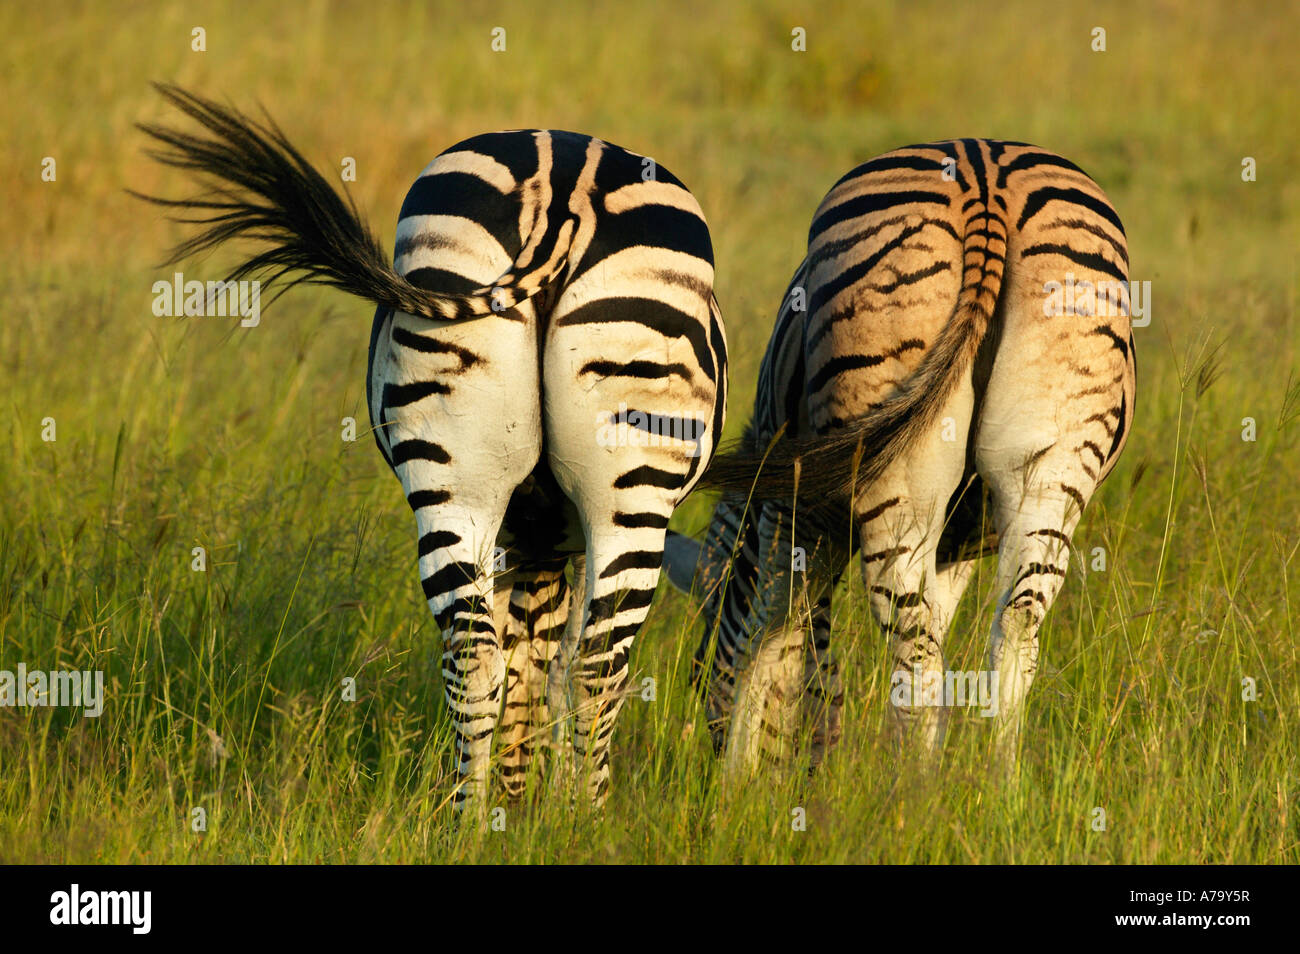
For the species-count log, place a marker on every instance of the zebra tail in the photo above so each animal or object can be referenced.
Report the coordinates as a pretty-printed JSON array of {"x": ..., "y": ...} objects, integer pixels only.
[
  {"x": 838, "y": 463},
  {"x": 263, "y": 189}
]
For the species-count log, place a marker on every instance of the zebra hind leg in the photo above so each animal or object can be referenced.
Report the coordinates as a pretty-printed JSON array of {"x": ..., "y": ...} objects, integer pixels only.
[
  {"x": 1035, "y": 530},
  {"x": 456, "y": 571},
  {"x": 898, "y": 564},
  {"x": 622, "y": 572},
  {"x": 473, "y": 671},
  {"x": 766, "y": 704},
  {"x": 536, "y": 619},
  {"x": 769, "y": 694},
  {"x": 559, "y": 701},
  {"x": 823, "y": 694}
]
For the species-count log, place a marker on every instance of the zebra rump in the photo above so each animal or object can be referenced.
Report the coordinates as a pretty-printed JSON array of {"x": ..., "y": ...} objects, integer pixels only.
[{"x": 543, "y": 445}]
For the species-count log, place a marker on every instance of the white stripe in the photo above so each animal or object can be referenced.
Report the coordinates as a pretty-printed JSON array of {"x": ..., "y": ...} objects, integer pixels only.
[
  {"x": 475, "y": 164},
  {"x": 469, "y": 249},
  {"x": 651, "y": 193}
]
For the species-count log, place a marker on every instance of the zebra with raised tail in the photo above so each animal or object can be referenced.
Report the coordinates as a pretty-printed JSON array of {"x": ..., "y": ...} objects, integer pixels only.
[
  {"x": 957, "y": 335},
  {"x": 547, "y": 380}
]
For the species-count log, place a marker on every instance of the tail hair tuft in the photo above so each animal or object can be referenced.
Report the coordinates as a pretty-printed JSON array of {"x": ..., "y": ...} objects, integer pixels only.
[{"x": 263, "y": 189}]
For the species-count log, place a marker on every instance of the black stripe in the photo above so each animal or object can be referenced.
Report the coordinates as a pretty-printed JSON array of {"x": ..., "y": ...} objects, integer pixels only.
[
  {"x": 794, "y": 392},
  {"x": 633, "y": 560},
  {"x": 441, "y": 280},
  {"x": 1119, "y": 427},
  {"x": 884, "y": 554},
  {"x": 1093, "y": 229},
  {"x": 419, "y": 450},
  {"x": 1040, "y": 197},
  {"x": 1032, "y": 160},
  {"x": 1102, "y": 420},
  {"x": 471, "y": 624},
  {"x": 1101, "y": 458},
  {"x": 878, "y": 509},
  {"x": 656, "y": 521},
  {"x": 399, "y": 395},
  {"x": 449, "y": 578},
  {"x": 622, "y": 632},
  {"x": 839, "y": 365},
  {"x": 951, "y": 152},
  {"x": 658, "y": 317},
  {"x": 1119, "y": 342},
  {"x": 647, "y": 476},
  {"x": 1093, "y": 260},
  {"x": 976, "y": 160},
  {"x": 884, "y": 163},
  {"x": 662, "y": 425},
  {"x": 987, "y": 233},
  {"x": 409, "y": 339},
  {"x": 465, "y": 195},
  {"x": 516, "y": 150},
  {"x": 911, "y": 278},
  {"x": 636, "y": 369},
  {"x": 1054, "y": 534},
  {"x": 427, "y": 498},
  {"x": 382, "y": 317},
  {"x": 872, "y": 202},
  {"x": 655, "y": 226},
  {"x": 853, "y": 362},
  {"x": 717, "y": 373},
  {"x": 904, "y": 600},
  {"x": 437, "y": 540},
  {"x": 847, "y": 278},
  {"x": 1037, "y": 569},
  {"x": 1028, "y": 591},
  {"x": 1038, "y": 455},
  {"x": 603, "y": 607},
  {"x": 830, "y": 249},
  {"x": 618, "y": 168}
]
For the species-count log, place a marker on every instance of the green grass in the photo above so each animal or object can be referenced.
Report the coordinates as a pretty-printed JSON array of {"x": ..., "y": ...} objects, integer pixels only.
[{"x": 224, "y": 686}]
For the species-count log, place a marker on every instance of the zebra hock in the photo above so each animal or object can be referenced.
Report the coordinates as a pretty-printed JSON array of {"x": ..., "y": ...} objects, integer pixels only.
[{"x": 541, "y": 280}]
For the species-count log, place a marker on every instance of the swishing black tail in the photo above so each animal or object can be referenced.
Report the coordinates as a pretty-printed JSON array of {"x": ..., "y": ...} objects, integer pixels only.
[
  {"x": 867, "y": 445},
  {"x": 265, "y": 190}
]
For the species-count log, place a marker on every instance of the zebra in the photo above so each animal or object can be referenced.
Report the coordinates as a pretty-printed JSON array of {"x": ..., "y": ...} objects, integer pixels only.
[
  {"x": 546, "y": 379},
  {"x": 929, "y": 395}
]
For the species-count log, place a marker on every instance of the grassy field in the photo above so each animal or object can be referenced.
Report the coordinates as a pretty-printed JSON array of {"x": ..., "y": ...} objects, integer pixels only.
[{"x": 224, "y": 686}]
